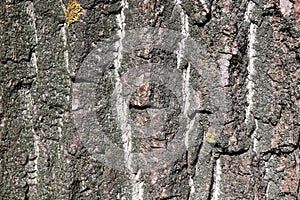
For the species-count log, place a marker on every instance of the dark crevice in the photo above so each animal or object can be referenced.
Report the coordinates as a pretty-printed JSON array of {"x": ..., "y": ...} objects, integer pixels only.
[
  {"x": 188, "y": 194},
  {"x": 137, "y": 107},
  {"x": 207, "y": 112},
  {"x": 229, "y": 122},
  {"x": 143, "y": 107},
  {"x": 26, "y": 192},
  {"x": 156, "y": 147},
  {"x": 233, "y": 153}
]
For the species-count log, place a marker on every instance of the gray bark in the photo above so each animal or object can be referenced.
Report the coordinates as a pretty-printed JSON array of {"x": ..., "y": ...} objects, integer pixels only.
[{"x": 153, "y": 99}]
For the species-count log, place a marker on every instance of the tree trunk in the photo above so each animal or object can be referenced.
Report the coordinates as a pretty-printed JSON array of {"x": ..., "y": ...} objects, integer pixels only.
[{"x": 149, "y": 99}]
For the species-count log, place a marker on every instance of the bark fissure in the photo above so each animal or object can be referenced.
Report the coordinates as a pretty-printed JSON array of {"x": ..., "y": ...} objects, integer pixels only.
[{"x": 161, "y": 119}]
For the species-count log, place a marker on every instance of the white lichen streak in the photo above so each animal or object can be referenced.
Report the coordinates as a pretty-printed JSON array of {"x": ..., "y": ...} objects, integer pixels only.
[
  {"x": 66, "y": 59},
  {"x": 224, "y": 64},
  {"x": 268, "y": 177},
  {"x": 186, "y": 100},
  {"x": 218, "y": 185},
  {"x": 31, "y": 13},
  {"x": 184, "y": 32},
  {"x": 140, "y": 191},
  {"x": 34, "y": 174},
  {"x": 122, "y": 108},
  {"x": 180, "y": 55},
  {"x": 64, "y": 37},
  {"x": 191, "y": 184},
  {"x": 186, "y": 79},
  {"x": 268, "y": 190},
  {"x": 36, "y": 138},
  {"x": 66, "y": 62},
  {"x": 251, "y": 71}
]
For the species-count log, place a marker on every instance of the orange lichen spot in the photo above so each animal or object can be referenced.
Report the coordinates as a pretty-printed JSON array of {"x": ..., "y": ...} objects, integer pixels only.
[{"x": 73, "y": 12}]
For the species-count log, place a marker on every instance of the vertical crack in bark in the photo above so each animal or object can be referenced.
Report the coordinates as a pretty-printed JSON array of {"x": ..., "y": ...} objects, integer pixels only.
[
  {"x": 251, "y": 72},
  {"x": 122, "y": 115},
  {"x": 66, "y": 59},
  {"x": 250, "y": 82},
  {"x": 184, "y": 31},
  {"x": 185, "y": 86},
  {"x": 268, "y": 186},
  {"x": 186, "y": 99},
  {"x": 30, "y": 11},
  {"x": 36, "y": 137},
  {"x": 122, "y": 109},
  {"x": 66, "y": 52},
  {"x": 224, "y": 63},
  {"x": 191, "y": 180},
  {"x": 65, "y": 40},
  {"x": 217, "y": 182}
]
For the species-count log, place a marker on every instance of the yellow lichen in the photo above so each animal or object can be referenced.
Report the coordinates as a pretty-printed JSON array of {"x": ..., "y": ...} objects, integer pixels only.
[
  {"x": 73, "y": 12},
  {"x": 211, "y": 137},
  {"x": 49, "y": 187}
]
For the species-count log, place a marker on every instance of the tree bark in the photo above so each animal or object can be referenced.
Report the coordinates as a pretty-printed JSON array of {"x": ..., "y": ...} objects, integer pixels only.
[{"x": 152, "y": 99}]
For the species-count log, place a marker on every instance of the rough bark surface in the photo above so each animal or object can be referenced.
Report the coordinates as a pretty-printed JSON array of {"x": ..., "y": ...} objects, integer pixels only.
[{"x": 150, "y": 99}]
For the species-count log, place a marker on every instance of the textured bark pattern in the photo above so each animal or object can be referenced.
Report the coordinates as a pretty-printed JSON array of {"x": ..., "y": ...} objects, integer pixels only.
[{"x": 239, "y": 79}]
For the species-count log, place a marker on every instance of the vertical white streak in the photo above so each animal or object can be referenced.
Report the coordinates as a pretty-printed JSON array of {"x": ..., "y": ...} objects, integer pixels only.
[
  {"x": 186, "y": 99},
  {"x": 186, "y": 79},
  {"x": 37, "y": 154},
  {"x": 180, "y": 55},
  {"x": 30, "y": 11},
  {"x": 66, "y": 59},
  {"x": 34, "y": 62},
  {"x": 59, "y": 130},
  {"x": 224, "y": 64},
  {"x": 267, "y": 191},
  {"x": 139, "y": 184},
  {"x": 218, "y": 185},
  {"x": 184, "y": 31},
  {"x": 65, "y": 40},
  {"x": 248, "y": 12},
  {"x": 255, "y": 142},
  {"x": 36, "y": 138},
  {"x": 120, "y": 104},
  {"x": 191, "y": 184},
  {"x": 251, "y": 71},
  {"x": 122, "y": 108}
]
